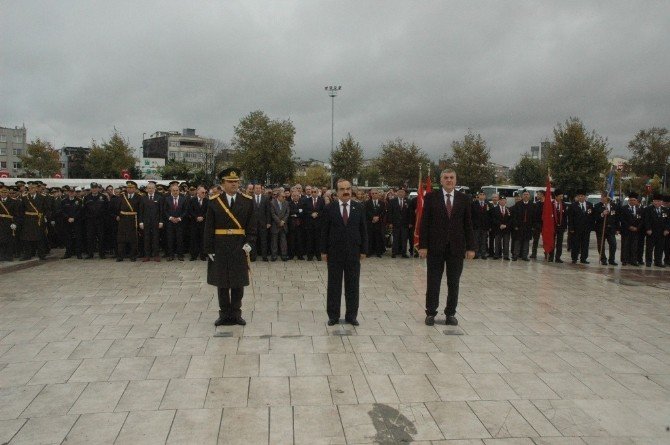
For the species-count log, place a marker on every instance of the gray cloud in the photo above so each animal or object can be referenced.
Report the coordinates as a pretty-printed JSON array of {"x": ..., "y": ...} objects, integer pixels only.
[{"x": 424, "y": 71}]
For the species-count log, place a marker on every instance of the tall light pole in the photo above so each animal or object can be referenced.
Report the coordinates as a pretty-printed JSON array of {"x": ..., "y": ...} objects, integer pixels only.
[{"x": 332, "y": 92}]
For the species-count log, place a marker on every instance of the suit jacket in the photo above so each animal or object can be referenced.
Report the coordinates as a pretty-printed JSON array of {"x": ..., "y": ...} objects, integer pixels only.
[
  {"x": 169, "y": 211},
  {"x": 655, "y": 222},
  {"x": 560, "y": 215},
  {"x": 439, "y": 230},
  {"x": 613, "y": 222},
  {"x": 579, "y": 220},
  {"x": 371, "y": 211},
  {"x": 262, "y": 212},
  {"x": 523, "y": 216},
  {"x": 498, "y": 218},
  {"x": 279, "y": 215},
  {"x": 481, "y": 215},
  {"x": 309, "y": 208},
  {"x": 627, "y": 219},
  {"x": 400, "y": 217},
  {"x": 344, "y": 242},
  {"x": 195, "y": 210},
  {"x": 151, "y": 210},
  {"x": 296, "y": 214}
]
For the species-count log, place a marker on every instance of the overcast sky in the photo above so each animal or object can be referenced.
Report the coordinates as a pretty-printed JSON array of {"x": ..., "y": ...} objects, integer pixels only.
[{"x": 425, "y": 71}]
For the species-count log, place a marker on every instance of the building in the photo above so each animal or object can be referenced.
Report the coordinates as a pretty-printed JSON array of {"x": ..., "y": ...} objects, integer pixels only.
[
  {"x": 540, "y": 151},
  {"x": 72, "y": 161},
  {"x": 149, "y": 167},
  {"x": 502, "y": 172},
  {"x": 12, "y": 145},
  {"x": 185, "y": 146}
]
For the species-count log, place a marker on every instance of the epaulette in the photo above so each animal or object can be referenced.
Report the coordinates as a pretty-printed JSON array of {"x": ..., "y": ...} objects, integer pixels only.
[
  {"x": 245, "y": 195},
  {"x": 213, "y": 197}
]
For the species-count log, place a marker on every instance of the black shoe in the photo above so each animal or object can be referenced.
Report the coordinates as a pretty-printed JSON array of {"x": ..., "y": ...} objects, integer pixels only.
[
  {"x": 405, "y": 256},
  {"x": 284, "y": 258},
  {"x": 180, "y": 257},
  {"x": 79, "y": 257},
  {"x": 133, "y": 259},
  {"x": 170, "y": 258},
  {"x": 533, "y": 257},
  {"x": 240, "y": 321},
  {"x": 224, "y": 321},
  {"x": 266, "y": 259},
  {"x": 102, "y": 257},
  {"x": 451, "y": 321},
  {"x": 648, "y": 264},
  {"x": 635, "y": 264},
  {"x": 192, "y": 258},
  {"x": 393, "y": 255},
  {"x": 119, "y": 259},
  {"x": 559, "y": 261},
  {"x": 496, "y": 257},
  {"x": 319, "y": 258},
  {"x": 613, "y": 263},
  {"x": 89, "y": 257},
  {"x": 274, "y": 258},
  {"x": 309, "y": 258},
  {"x": 604, "y": 263},
  {"x": 584, "y": 262},
  {"x": 525, "y": 259},
  {"x": 43, "y": 258},
  {"x": 430, "y": 320},
  {"x": 506, "y": 258},
  {"x": 301, "y": 258},
  {"x": 514, "y": 259},
  {"x": 655, "y": 265},
  {"x": 353, "y": 322},
  {"x": 416, "y": 255},
  {"x": 65, "y": 257},
  {"x": 332, "y": 321}
]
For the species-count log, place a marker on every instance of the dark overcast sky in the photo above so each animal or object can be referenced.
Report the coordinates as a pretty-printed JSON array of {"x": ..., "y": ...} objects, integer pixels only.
[{"x": 425, "y": 71}]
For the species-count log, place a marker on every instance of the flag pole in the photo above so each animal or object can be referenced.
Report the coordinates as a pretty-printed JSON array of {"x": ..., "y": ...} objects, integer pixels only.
[{"x": 418, "y": 188}]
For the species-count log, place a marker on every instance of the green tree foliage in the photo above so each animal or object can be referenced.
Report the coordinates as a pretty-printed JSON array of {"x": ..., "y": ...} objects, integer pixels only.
[
  {"x": 136, "y": 172},
  {"x": 650, "y": 150},
  {"x": 77, "y": 165},
  {"x": 577, "y": 158},
  {"x": 174, "y": 169},
  {"x": 110, "y": 158},
  {"x": 529, "y": 172},
  {"x": 264, "y": 148},
  {"x": 369, "y": 175},
  {"x": 471, "y": 161},
  {"x": 316, "y": 175},
  {"x": 347, "y": 159},
  {"x": 40, "y": 160},
  {"x": 399, "y": 162}
]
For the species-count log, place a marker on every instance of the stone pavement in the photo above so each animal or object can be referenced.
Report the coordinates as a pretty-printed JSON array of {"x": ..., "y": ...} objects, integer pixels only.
[{"x": 105, "y": 352}]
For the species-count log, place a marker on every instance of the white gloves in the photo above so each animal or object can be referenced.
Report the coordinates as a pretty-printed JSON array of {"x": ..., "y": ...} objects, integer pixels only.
[
  {"x": 211, "y": 256},
  {"x": 141, "y": 225},
  {"x": 246, "y": 248},
  {"x": 12, "y": 226},
  {"x": 53, "y": 223}
]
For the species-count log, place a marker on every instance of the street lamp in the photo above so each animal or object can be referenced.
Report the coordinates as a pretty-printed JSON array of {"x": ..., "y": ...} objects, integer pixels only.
[{"x": 332, "y": 92}]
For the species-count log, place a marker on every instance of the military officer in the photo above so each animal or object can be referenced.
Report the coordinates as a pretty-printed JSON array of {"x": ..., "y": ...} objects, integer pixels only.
[
  {"x": 230, "y": 231},
  {"x": 71, "y": 211},
  {"x": 95, "y": 209},
  {"x": 34, "y": 208},
  {"x": 9, "y": 217},
  {"x": 126, "y": 215}
]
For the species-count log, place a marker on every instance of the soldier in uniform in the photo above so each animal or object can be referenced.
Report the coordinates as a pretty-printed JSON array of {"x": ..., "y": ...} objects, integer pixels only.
[
  {"x": 71, "y": 211},
  {"x": 34, "y": 207},
  {"x": 657, "y": 225},
  {"x": 126, "y": 215},
  {"x": 607, "y": 215},
  {"x": 631, "y": 224},
  {"x": 230, "y": 231},
  {"x": 9, "y": 218},
  {"x": 95, "y": 210}
]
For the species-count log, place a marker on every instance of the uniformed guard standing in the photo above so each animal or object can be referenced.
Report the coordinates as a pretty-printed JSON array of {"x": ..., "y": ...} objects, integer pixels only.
[
  {"x": 126, "y": 215},
  {"x": 9, "y": 218},
  {"x": 71, "y": 211},
  {"x": 95, "y": 208},
  {"x": 34, "y": 207},
  {"x": 230, "y": 231}
]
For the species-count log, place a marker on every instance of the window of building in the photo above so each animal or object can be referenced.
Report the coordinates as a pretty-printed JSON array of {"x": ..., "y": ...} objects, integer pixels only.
[
  {"x": 17, "y": 165},
  {"x": 3, "y": 138},
  {"x": 17, "y": 151},
  {"x": 3, "y": 164},
  {"x": 173, "y": 155},
  {"x": 3, "y": 151},
  {"x": 18, "y": 139}
]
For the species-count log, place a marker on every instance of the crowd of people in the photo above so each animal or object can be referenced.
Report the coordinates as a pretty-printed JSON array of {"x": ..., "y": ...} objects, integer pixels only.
[{"x": 167, "y": 221}]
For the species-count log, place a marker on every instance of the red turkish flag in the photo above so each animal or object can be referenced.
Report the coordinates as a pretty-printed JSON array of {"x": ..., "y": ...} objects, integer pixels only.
[
  {"x": 548, "y": 229},
  {"x": 125, "y": 174},
  {"x": 4, "y": 174}
]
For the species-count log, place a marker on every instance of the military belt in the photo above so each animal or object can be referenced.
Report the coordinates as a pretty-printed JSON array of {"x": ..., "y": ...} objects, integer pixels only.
[
  {"x": 33, "y": 214},
  {"x": 7, "y": 216},
  {"x": 229, "y": 232},
  {"x": 129, "y": 213}
]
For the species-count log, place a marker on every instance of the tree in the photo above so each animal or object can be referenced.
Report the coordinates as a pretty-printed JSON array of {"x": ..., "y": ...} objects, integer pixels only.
[
  {"x": 110, "y": 158},
  {"x": 529, "y": 171},
  {"x": 40, "y": 160},
  {"x": 577, "y": 159},
  {"x": 264, "y": 148},
  {"x": 471, "y": 161},
  {"x": 77, "y": 165},
  {"x": 650, "y": 150},
  {"x": 399, "y": 163},
  {"x": 136, "y": 172},
  {"x": 174, "y": 169},
  {"x": 369, "y": 176},
  {"x": 317, "y": 175},
  {"x": 347, "y": 159}
]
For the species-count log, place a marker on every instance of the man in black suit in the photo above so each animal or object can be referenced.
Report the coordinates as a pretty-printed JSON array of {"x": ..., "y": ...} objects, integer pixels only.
[
  {"x": 445, "y": 238},
  {"x": 538, "y": 208},
  {"x": 263, "y": 222},
  {"x": 151, "y": 221},
  {"x": 522, "y": 222},
  {"x": 481, "y": 224},
  {"x": 344, "y": 241},
  {"x": 375, "y": 213},
  {"x": 606, "y": 213},
  {"x": 631, "y": 223},
  {"x": 580, "y": 225},
  {"x": 401, "y": 223},
  {"x": 313, "y": 208},
  {"x": 175, "y": 211},
  {"x": 501, "y": 223},
  {"x": 560, "y": 224},
  {"x": 656, "y": 223},
  {"x": 197, "y": 213},
  {"x": 296, "y": 217}
]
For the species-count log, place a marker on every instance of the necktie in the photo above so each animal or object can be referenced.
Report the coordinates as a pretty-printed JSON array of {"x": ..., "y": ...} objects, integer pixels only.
[
  {"x": 583, "y": 207},
  {"x": 633, "y": 210},
  {"x": 232, "y": 201},
  {"x": 151, "y": 197},
  {"x": 174, "y": 205},
  {"x": 449, "y": 204},
  {"x": 345, "y": 215},
  {"x": 314, "y": 202},
  {"x": 199, "y": 201},
  {"x": 401, "y": 203},
  {"x": 258, "y": 199}
]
